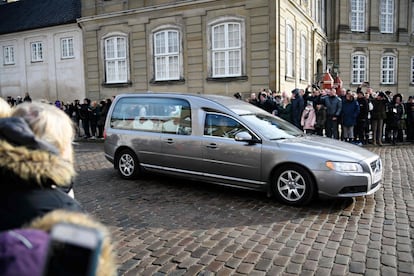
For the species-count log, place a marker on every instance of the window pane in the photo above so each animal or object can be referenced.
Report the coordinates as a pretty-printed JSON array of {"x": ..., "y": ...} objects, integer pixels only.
[
  {"x": 121, "y": 53},
  {"x": 218, "y": 37},
  {"x": 173, "y": 42},
  {"x": 110, "y": 48},
  {"x": 219, "y": 63}
]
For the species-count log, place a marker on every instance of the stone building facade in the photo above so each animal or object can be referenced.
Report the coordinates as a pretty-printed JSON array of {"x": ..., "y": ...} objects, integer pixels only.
[
  {"x": 201, "y": 46},
  {"x": 373, "y": 41}
]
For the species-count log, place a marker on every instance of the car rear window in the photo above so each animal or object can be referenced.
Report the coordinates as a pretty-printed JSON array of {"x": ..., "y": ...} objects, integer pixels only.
[{"x": 164, "y": 115}]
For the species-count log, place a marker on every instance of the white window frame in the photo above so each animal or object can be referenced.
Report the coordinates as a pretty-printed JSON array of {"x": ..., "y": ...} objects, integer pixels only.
[
  {"x": 167, "y": 54},
  {"x": 8, "y": 55},
  {"x": 303, "y": 57},
  {"x": 66, "y": 46},
  {"x": 359, "y": 63},
  {"x": 226, "y": 58},
  {"x": 412, "y": 70},
  {"x": 358, "y": 15},
  {"x": 290, "y": 50},
  {"x": 116, "y": 59},
  {"x": 387, "y": 16},
  {"x": 36, "y": 50},
  {"x": 388, "y": 67}
]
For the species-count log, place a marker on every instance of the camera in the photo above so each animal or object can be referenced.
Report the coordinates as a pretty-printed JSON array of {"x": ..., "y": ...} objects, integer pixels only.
[{"x": 72, "y": 250}]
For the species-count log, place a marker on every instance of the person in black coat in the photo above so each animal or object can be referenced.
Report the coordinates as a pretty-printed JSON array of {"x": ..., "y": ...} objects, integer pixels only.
[{"x": 36, "y": 164}]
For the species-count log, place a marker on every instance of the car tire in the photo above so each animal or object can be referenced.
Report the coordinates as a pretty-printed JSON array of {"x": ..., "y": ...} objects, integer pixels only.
[
  {"x": 293, "y": 185},
  {"x": 127, "y": 164}
]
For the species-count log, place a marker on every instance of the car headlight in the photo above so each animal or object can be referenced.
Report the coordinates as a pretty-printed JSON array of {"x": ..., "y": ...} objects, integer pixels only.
[{"x": 344, "y": 166}]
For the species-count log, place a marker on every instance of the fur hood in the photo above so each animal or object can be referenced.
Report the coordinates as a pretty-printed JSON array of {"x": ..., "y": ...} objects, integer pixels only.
[
  {"x": 107, "y": 259},
  {"x": 25, "y": 159}
]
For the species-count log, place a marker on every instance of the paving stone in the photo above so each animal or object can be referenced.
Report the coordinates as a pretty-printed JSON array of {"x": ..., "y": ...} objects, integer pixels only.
[{"x": 166, "y": 226}]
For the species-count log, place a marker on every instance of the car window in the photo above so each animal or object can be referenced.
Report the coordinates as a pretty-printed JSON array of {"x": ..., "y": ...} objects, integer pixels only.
[
  {"x": 221, "y": 126},
  {"x": 163, "y": 115},
  {"x": 272, "y": 127}
]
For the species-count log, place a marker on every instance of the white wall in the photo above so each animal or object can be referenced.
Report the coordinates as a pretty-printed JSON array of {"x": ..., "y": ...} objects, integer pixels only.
[{"x": 53, "y": 78}]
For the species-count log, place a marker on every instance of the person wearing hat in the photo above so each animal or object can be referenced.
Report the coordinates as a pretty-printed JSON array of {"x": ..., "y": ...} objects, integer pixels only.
[{"x": 378, "y": 115}]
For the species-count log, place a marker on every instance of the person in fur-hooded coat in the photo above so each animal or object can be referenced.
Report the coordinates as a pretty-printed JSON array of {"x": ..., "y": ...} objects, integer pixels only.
[
  {"x": 33, "y": 167},
  {"x": 23, "y": 251}
]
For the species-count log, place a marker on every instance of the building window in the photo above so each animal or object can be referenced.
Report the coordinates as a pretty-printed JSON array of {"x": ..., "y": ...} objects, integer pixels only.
[
  {"x": 290, "y": 54},
  {"x": 167, "y": 55},
  {"x": 8, "y": 55},
  {"x": 116, "y": 60},
  {"x": 388, "y": 70},
  {"x": 358, "y": 15},
  {"x": 412, "y": 70},
  {"x": 226, "y": 49},
  {"x": 387, "y": 16},
  {"x": 36, "y": 51},
  {"x": 303, "y": 57},
  {"x": 359, "y": 68},
  {"x": 66, "y": 45}
]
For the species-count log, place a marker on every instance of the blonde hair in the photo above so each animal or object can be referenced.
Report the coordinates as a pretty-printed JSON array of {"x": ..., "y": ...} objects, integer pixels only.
[
  {"x": 5, "y": 108},
  {"x": 49, "y": 124}
]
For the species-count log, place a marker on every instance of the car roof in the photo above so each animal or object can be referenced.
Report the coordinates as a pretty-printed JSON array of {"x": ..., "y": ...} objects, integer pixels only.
[{"x": 239, "y": 107}]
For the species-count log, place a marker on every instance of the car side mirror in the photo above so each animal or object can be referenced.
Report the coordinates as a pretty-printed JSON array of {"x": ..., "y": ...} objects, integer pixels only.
[{"x": 244, "y": 136}]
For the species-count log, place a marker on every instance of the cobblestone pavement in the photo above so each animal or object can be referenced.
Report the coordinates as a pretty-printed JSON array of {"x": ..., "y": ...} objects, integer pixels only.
[{"x": 167, "y": 226}]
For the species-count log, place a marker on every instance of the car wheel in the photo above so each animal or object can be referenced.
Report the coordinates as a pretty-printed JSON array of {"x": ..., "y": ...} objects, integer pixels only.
[
  {"x": 293, "y": 185},
  {"x": 127, "y": 164}
]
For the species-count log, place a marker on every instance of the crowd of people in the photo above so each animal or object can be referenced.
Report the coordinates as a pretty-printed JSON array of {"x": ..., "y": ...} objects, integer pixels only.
[
  {"x": 361, "y": 117},
  {"x": 37, "y": 191},
  {"x": 88, "y": 116}
]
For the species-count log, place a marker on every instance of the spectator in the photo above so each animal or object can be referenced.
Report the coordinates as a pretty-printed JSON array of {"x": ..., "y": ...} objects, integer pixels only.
[
  {"x": 333, "y": 114},
  {"x": 36, "y": 161},
  {"x": 23, "y": 251},
  {"x": 320, "y": 113},
  {"x": 94, "y": 118},
  {"x": 285, "y": 108},
  {"x": 378, "y": 115},
  {"x": 265, "y": 102},
  {"x": 85, "y": 116},
  {"x": 410, "y": 119},
  {"x": 253, "y": 99},
  {"x": 297, "y": 107},
  {"x": 350, "y": 112},
  {"x": 27, "y": 98},
  {"x": 396, "y": 122},
  {"x": 308, "y": 118},
  {"x": 362, "y": 118}
]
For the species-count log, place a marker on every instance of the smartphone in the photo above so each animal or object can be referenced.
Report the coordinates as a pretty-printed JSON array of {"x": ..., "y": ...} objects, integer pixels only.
[{"x": 72, "y": 250}]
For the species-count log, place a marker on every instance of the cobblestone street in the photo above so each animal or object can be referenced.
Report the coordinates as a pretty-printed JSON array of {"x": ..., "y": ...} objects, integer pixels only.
[{"x": 167, "y": 226}]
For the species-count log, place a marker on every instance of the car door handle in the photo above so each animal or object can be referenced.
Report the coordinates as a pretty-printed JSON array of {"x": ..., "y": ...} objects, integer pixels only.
[
  {"x": 212, "y": 146},
  {"x": 169, "y": 141}
]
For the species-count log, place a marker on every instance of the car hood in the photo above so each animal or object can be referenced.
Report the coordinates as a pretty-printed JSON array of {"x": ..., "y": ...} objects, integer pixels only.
[{"x": 330, "y": 149}]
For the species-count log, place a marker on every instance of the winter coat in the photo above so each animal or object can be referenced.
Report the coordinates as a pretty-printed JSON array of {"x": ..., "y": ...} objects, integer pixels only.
[
  {"x": 30, "y": 172},
  {"x": 350, "y": 112},
  {"x": 333, "y": 106},
  {"x": 379, "y": 110},
  {"x": 298, "y": 105},
  {"x": 308, "y": 118},
  {"x": 285, "y": 112},
  {"x": 320, "y": 117}
]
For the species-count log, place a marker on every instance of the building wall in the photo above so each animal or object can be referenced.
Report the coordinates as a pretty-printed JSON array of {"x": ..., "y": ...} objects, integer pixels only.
[
  {"x": 374, "y": 44},
  {"x": 262, "y": 59},
  {"x": 53, "y": 78}
]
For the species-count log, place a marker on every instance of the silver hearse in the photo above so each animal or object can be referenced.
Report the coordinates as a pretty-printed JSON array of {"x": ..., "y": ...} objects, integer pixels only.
[{"x": 226, "y": 141}]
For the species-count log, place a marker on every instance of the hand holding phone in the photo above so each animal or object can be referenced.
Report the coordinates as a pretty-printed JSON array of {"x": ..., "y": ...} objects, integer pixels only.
[{"x": 73, "y": 250}]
